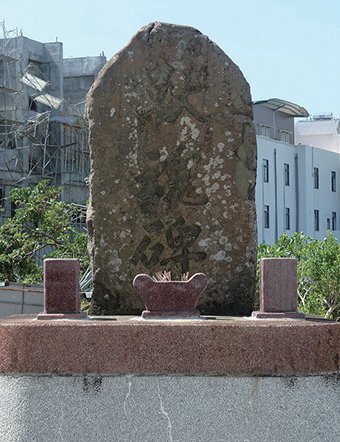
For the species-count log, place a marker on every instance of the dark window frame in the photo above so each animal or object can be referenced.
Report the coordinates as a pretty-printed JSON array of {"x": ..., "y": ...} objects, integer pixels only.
[
  {"x": 287, "y": 218},
  {"x": 316, "y": 220},
  {"x": 333, "y": 221},
  {"x": 333, "y": 181},
  {"x": 265, "y": 170},
  {"x": 286, "y": 174},
  {"x": 266, "y": 217},
  {"x": 316, "y": 177}
]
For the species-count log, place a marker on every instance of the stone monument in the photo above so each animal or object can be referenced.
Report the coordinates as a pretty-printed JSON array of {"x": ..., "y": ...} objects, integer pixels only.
[{"x": 173, "y": 166}]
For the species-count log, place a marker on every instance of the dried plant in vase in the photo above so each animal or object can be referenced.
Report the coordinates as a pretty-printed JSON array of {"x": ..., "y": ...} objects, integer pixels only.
[
  {"x": 165, "y": 298},
  {"x": 166, "y": 276}
]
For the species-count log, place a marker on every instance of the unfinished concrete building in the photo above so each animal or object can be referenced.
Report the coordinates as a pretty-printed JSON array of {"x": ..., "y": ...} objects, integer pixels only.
[{"x": 43, "y": 127}]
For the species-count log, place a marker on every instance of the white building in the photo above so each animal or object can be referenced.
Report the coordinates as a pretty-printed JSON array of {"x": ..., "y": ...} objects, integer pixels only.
[
  {"x": 298, "y": 185},
  {"x": 320, "y": 131}
]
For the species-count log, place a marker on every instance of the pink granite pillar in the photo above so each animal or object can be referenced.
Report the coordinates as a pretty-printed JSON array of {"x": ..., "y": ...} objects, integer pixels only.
[
  {"x": 61, "y": 289},
  {"x": 278, "y": 289}
]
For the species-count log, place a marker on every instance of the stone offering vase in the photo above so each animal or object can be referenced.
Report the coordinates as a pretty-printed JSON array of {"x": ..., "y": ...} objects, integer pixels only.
[{"x": 170, "y": 299}]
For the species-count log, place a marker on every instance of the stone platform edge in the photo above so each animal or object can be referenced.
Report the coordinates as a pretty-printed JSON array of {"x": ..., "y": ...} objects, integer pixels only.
[{"x": 211, "y": 347}]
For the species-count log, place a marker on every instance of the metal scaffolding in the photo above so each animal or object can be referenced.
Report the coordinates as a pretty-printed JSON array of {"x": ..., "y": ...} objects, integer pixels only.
[{"x": 41, "y": 135}]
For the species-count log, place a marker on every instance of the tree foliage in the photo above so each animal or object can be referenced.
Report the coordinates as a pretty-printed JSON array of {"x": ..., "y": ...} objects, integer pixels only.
[
  {"x": 318, "y": 271},
  {"x": 41, "y": 227}
]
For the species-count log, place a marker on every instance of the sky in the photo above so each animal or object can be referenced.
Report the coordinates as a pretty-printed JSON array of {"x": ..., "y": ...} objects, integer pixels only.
[{"x": 288, "y": 49}]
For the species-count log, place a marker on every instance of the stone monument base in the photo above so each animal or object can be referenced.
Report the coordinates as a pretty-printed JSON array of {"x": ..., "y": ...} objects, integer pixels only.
[{"x": 218, "y": 379}]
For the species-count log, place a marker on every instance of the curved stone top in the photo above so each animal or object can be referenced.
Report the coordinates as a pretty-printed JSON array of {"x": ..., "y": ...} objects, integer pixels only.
[{"x": 223, "y": 346}]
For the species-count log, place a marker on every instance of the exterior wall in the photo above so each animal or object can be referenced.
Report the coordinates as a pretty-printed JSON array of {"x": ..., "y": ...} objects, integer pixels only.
[
  {"x": 169, "y": 408},
  {"x": 323, "y": 199},
  {"x": 319, "y": 147},
  {"x": 79, "y": 74},
  {"x": 300, "y": 196},
  {"x": 54, "y": 56},
  {"x": 324, "y": 134},
  {"x": 83, "y": 66},
  {"x": 275, "y": 193},
  {"x": 276, "y": 120}
]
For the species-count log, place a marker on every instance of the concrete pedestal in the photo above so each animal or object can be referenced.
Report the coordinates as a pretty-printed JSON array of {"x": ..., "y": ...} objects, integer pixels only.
[{"x": 169, "y": 408}]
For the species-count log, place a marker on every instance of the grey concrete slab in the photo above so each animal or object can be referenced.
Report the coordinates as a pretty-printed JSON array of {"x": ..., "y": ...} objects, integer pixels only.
[
  {"x": 34, "y": 295},
  {"x": 8, "y": 309},
  {"x": 12, "y": 294},
  {"x": 169, "y": 408},
  {"x": 29, "y": 309}
]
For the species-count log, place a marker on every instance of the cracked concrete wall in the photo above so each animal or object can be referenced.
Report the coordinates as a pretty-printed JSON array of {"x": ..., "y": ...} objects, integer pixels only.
[{"x": 169, "y": 408}]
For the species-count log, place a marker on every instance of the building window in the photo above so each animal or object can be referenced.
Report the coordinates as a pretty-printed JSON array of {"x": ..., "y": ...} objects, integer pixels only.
[
  {"x": 316, "y": 220},
  {"x": 285, "y": 136},
  {"x": 333, "y": 181},
  {"x": 2, "y": 199},
  {"x": 316, "y": 177},
  {"x": 265, "y": 171},
  {"x": 328, "y": 223},
  {"x": 287, "y": 218},
  {"x": 266, "y": 217},
  {"x": 333, "y": 220},
  {"x": 286, "y": 173},
  {"x": 264, "y": 130}
]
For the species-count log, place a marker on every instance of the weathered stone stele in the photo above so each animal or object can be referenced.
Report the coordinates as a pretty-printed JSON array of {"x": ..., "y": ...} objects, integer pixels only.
[{"x": 173, "y": 162}]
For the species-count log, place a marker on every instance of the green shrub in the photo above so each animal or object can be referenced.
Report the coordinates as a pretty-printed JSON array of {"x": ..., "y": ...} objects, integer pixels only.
[
  {"x": 41, "y": 225},
  {"x": 318, "y": 271}
]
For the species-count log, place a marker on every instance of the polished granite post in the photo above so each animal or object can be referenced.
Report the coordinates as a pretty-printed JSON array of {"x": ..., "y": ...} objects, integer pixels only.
[
  {"x": 61, "y": 289},
  {"x": 278, "y": 289}
]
